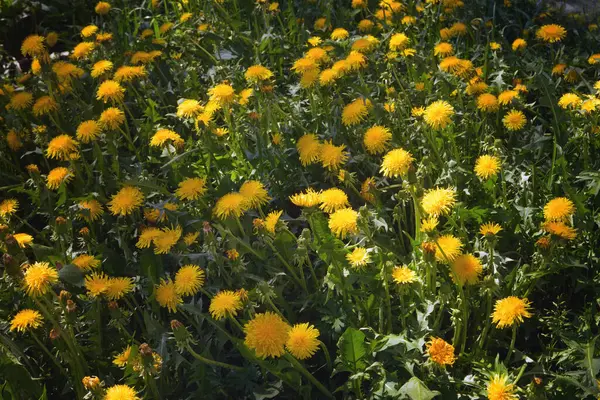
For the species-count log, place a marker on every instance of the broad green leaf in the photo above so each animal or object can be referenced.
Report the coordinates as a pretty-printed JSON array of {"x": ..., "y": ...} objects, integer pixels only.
[
  {"x": 352, "y": 349},
  {"x": 415, "y": 389}
]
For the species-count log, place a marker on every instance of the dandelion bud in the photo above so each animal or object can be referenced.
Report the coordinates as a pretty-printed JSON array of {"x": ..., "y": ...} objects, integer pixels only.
[
  {"x": 254, "y": 115},
  {"x": 176, "y": 325},
  {"x": 91, "y": 382},
  {"x": 64, "y": 295},
  {"x": 113, "y": 305},
  {"x": 145, "y": 350},
  {"x": 242, "y": 294},
  {"x": 10, "y": 241},
  {"x": 60, "y": 221},
  {"x": 181, "y": 334},
  {"x": 538, "y": 381},
  {"x": 206, "y": 227},
  {"x": 71, "y": 306},
  {"x": 54, "y": 334},
  {"x": 233, "y": 254},
  {"x": 85, "y": 231}
]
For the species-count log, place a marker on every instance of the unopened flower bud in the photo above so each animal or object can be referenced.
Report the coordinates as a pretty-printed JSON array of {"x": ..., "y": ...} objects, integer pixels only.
[
  {"x": 60, "y": 221},
  {"x": 54, "y": 334},
  {"x": 71, "y": 306},
  {"x": 113, "y": 305},
  {"x": 91, "y": 382},
  {"x": 145, "y": 350}
]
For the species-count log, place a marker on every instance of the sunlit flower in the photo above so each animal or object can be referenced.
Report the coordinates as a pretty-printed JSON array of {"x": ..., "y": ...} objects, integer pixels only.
[
  {"x": 166, "y": 239},
  {"x": 559, "y": 209},
  {"x": 225, "y": 303},
  {"x": 398, "y": 41},
  {"x": 498, "y": 388},
  {"x": 126, "y": 201},
  {"x": 33, "y": 46},
  {"x": 61, "y": 147},
  {"x": 309, "y": 198},
  {"x": 339, "y": 34},
  {"x": 438, "y": 114},
  {"x": 88, "y": 31},
  {"x": 166, "y": 295},
  {"x": 467, "y": 269},
  {"x": 271, "y": 221},
  {"x": 110, "y": 91},
  {"x": 377, "y": 139},
  {"x": 121, "y": 392},
  {"x": 403, "y": 275},
  {"x": 118, "y": 287},
  {"x": 514, "y": 120},
  {"x": 111, "y": 118},
  {"x": 8, "y": 207},
  {"x": 333, "y": 199},
  {"x": 448, "y": 248},
  {"x": 66, "y": 71},
  {"x": 83, "y": 50},
  {"x": 438, "y": 201},
  {"x": 510, "y": 311},
  {"x": 429, "y": 225},
  {"x": 440, "y": 351},
  {"x": 443, "y": 49},
  {"x": 519, "y": 44},
  {"x": 147, "y": 237},
  {"x": 365, "y": 25},
  {"x": 96, "y": 284},
  {"x": 189, "y": 108},
  {"x": 44, "y": 105},
  {"x": 57, "y": 176},
  {"x": 267, "y": 335},
  {"x": 358, "y": 258},
  {"x": 188, "y": 280},
  {"x": 303, "y": 341},
  {"x": 343, "y": 222},
  {"x": 13, "y": 140},
  {"x": 20, "y": 101},
  {"x": 164, "y": 136},
  {"x": 332, "y": 157},
  {"x": 101, "y": 67},
  {"x": 90, "y": 210},
  {"x": 231, "y": 204},
  {"x": 396, "y": 163},
  {"x": 551, "y": 33},
  {"x": 127, "y": 73},
  {"x": 88, "y": 131},
  {"x": 26, "y": 319},
  {"x": 190, "y": 238},
  {"x": 487, "y": 166},
  {"x": 560, "y": 229},
  {"x": 569, "y": 100},
  {"x": 122, "y": 358},
  {"x": 258, "y": 73},
  {"x": 489, "y": 229},
  {"x": 102, "y": 8},
  {"x": 255, "y": 193},
  {"x": 223, "y": 94},
  {"x": 86, "y": 262},
  {"x": 355, "y": 112},
  {"x": 191, "y": 189},
  {"x": 309, "y": 148}
]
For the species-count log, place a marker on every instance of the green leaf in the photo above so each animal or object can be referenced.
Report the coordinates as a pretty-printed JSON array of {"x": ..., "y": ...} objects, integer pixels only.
[
  {"x": 352, "y": 350},
  {"x": 71, "y": 274},
  {"x": 416, "y": 390}
]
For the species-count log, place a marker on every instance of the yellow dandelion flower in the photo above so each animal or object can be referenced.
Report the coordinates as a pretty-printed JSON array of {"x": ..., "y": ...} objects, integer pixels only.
[
  {"x": 430, "y": 224},
  {"x": 487, "y": 166},
  {"x": 44, "y": 105},
  {"x": 104, "y": 37},
  {"x": 57, "y": 177},
  {"x": 8, "y": 207},
  {"x": 560, "y": 229},
  {"x": 403, "y": 275},
  {"x": 255, "y": 193},
  {"x": 438, "y": 201},
  {"x": 448, "y": 248},
  {"x": 190, "y": 238},
  {"x": 61, "y": 147},
  {"x": 165, "y": 136},
  {"x": 222, "y": 94},
  {"x": 267, "y": 334},
  {"x": 377, "y": 139},
  {"x": 225, "y": 303},
  {"x": 118, "y": 287},
  {"x": 569, "y": 100},
  {"x": 519, "y": 44},
  {"x": 332, "y": 157},
  {"x": 26, "y": 319},
  {"x": 551, "y": 33},
  {"x": 399, "y": 41},
  {"x": 20, "y": 101},
  {"x": 96, "y": 284},
  {"x": 440, "y": 351},
  {"x": 309, "y": 78},
  {"x": 191, "y": 189},
  {"x": 33, "y": 46},
  {"x": 166, "y": 239},
  {"x": 231, "y": 204},
  {"x": 333, "y": 199},
  {"x": 271, "y": 221},
  {"x": 309, "y": 148},
  {"x": 258, "y": 73},
  {"x": 358, "y": 258},
  {"x": 188, "y": 280},
  {"x": 89, "y": 210},
  {"x": 122, "y": 358},
  {"x": 396, "y": 163},
  {"x": 309, "y": 198},
  {"x": 66, "y": 71},
  {"x": 355, "y": 112},
  {"x": 166, "y": 295},
  {"x": 111, "y": 118},
  {"x": 88, "y": 31},
  {"x": 438, "y": 114},
  {"x": 305, "y": 65},
  {"x": 365, "y": 25},
  {"x": 559, "y": 209},
  {"x": 487, "y": 102},
  {"x": 126, "y": 201},
  {"x": 189, "y": 108},
  {"x": 507, "y": 97},
  {"x": 88, "y": 131},
  {"x": 498, "y": 388},
  {"x": 476, "y": 87},
  {"x": 83, "y": 50},
  {"x": 303, "y": 341},
  {"x": 343, "y": 222},
  {"x": 467, "y": 269},
  {"x": 127, "y": 73},
  {"x": 489, "y": 229},
  {"x": 514, "y": 120},
  {"x": 121, "y": 392},
  {"x": 510, "y": 311},
  {"x": 86, "y": 262},
  {"x": 356, "y": 60},
  {"x": 339, "y": 34},
  {"x": 23, "y": 239},
  {"x": 147, "y": 237},
  {"x": 110, "y": 91},
  {"x": 443, "y": 49},
  {"x": 102, "y": 8}
]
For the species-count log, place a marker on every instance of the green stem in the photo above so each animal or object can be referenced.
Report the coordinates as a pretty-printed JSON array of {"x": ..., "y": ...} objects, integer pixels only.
[
  {"x": 300, "y": 368},
  {"x": 212, "y": 362},
  {"x": 512, "y": 344},
  {"x": 45, "y": 349}
]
